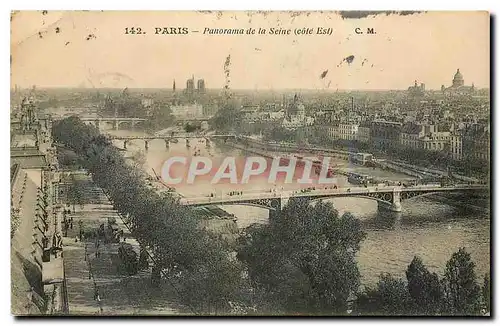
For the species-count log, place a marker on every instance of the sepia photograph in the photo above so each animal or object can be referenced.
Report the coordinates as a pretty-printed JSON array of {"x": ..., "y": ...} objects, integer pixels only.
[{"x": 250, "y": 163}]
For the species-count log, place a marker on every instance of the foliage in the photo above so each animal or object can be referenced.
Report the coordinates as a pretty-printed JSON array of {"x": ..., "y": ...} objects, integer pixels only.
[
  {"x": 462, "y": 293},
  {"x": 15, "y": 220},
  {"x": 423, "y": 287},
  {"x": 76, "y": 192},
  {"x": 192, "y": 127},
  {"x": 124, "y": 106},
  {"x": 457, "y": 293},
  {"x": 227, "y": 118},
  {"x": 279, "y": 133},
  {"x": 67, "y": 158},
  {"x": 304, "y": 259},
  {"x": 393, "y": 296},
  {"x": 159, "y": 117},
  {"x": 486, "y": 292},
  {"x": 213, "y": 284}
]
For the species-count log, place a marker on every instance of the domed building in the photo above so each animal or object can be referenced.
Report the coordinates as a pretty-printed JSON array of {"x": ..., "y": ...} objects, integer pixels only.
[
  {"x": 458, "y": 79},
  {"x": 458, "y": 86},
  {"x": 296, "y": 108},
  {"x": 295, "y": 113}
]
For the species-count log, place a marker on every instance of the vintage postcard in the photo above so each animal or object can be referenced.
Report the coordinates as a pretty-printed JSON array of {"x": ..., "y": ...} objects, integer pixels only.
[{"x": 250, "y": 163}]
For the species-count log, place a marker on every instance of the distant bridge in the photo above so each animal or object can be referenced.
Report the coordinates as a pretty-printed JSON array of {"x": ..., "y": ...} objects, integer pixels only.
[
  {"x": 176, "y": 135},
  {"x": 169, "y": 138},
  {"x": 115, "y": 122},
  {"x": 194, "y": 119},
  {"x": 388, "y": 198}
]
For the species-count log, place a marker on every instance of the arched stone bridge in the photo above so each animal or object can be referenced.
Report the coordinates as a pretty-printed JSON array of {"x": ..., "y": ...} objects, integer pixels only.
[
  {"x": 127, "y": 139},
  {"x": 388, "y": 197},
  {"x": 114, "y": 122},
  {"x": 175, "y": 135}
]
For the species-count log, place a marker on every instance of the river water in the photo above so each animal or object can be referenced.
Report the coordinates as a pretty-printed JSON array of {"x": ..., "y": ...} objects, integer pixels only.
[{"x": 428, "y": 228}]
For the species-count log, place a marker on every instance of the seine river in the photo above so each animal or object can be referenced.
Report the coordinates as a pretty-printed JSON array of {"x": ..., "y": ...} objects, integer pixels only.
[{"x": 428, "y": 228}]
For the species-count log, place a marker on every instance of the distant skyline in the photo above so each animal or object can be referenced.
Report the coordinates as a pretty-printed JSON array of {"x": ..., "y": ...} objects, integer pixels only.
[{"x": 90, "y": 49}]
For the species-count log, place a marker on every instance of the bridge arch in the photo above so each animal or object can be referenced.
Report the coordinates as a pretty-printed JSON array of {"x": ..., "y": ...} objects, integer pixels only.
[
  {"x": 386, "y": 198},
  {"x": 245, "y": 204},
  {"x": 410, "y": 195},
  {"x": 124, "y": 124},
  {"x": 139, "y": 124},
  {"x": 107, "y": 125},
  {"x": 270, "y": 204}
]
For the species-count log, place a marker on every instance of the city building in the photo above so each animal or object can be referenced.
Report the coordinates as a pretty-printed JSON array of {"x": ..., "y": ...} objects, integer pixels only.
[
  {"x": 347, "y": 131},
  {"x": 416, "y": 90},
  {"x": 411, "y": 135},
  {"x": 190, "y": 86},
  {"x": 427, "y": 137},
  {"x": 250, "y": 112},
  {"x": 272, "y": 116},
  {"x": 187, "y": 111},
  {"x": 28, "y": 114},
  {"x": 458, "y": 86},
  {"x": 364, "y": 132},
  {"x": 295, "y": 114},
  {"x": 296, "y": 108},
  {"x": 385, "y": 134},
  {"x": 201, "y": 86},
  {"x": 476, "y": 142},
  {"x": 456, "y": 146},
  {"x": 435, "y": 139},
  {"x": 333, "y": 130}
]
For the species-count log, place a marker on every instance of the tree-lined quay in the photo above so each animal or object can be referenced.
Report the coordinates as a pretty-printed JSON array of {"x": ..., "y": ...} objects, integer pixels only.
[{"x": 158, "y": 222}]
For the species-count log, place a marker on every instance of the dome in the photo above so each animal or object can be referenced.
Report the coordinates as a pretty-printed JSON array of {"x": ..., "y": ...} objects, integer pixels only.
[{"x": 458, "y": 79}]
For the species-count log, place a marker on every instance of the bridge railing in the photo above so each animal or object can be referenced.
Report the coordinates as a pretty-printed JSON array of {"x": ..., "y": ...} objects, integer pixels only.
[
  {"x": 255, "y": 195},
  {"x": 187, "y": 135},
  {"x": 110, "y": 119}
]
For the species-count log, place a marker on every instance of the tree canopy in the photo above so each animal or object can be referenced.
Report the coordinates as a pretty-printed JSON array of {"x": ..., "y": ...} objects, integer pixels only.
[
  {"x": 424, "y": 293},
  {"x": 304, "y": 259}
]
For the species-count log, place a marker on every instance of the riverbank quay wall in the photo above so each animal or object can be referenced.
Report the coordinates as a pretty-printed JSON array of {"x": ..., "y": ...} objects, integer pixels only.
[{"x": 270, "y": 149}]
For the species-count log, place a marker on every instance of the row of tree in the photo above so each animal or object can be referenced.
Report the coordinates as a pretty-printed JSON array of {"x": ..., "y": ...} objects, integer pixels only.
[
  {"x": 438, "y": 159},
  {"x": 425, "y": 293},
  {"x": 227, "y": 119},
  {"x": 207, "y": 274}
]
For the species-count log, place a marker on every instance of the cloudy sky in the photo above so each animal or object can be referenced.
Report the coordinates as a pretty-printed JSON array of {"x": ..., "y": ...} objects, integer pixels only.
[{"x": 91, "y": 49}]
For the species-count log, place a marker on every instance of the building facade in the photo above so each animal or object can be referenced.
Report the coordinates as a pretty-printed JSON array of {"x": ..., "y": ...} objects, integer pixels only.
[
  {"x": 201, "y": 86},
  {"x": 456, "y": 146},
  {"x": 411, "y": 135},
  {"x": 187, "y": 111},
  {"x": 363, "y": 134},
  {"x": 476, "y": 142},
  {"x": 348, "y": 131},
  {"x": 385, "y": 134},
  {"x": 190, "y": 85}
]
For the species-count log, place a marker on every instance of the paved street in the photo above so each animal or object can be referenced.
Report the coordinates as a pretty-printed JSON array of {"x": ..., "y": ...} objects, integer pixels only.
[{"x": 120, "y": 294}]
